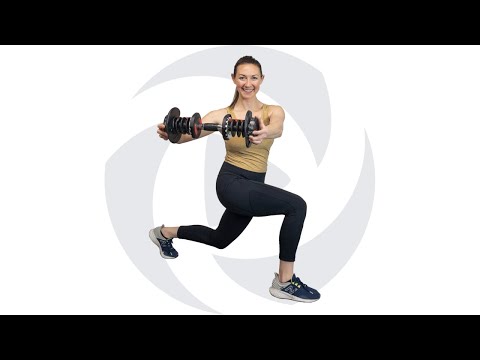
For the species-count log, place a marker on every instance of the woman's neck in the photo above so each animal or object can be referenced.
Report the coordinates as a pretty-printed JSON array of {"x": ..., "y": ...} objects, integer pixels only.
[{"x": 251, "y": 104}]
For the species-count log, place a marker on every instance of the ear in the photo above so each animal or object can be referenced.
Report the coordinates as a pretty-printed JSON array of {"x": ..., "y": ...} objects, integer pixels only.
[{"x": 233, "y": 77}]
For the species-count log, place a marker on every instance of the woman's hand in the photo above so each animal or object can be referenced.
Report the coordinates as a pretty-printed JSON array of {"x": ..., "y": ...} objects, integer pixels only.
[
  {"x": 161, "y": 131},
  {"x": 259, "y": 135}
]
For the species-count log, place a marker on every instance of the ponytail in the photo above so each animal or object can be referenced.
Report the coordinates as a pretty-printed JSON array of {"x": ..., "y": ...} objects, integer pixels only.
[{"x": 235, "y": 99}]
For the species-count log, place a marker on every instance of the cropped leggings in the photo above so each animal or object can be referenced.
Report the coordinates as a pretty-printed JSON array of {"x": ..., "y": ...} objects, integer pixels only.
[{"x": 244, "y": 194}]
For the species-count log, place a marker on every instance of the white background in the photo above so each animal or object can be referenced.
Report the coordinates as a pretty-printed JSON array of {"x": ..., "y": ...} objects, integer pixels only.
[{"x": 64, "y": 110}]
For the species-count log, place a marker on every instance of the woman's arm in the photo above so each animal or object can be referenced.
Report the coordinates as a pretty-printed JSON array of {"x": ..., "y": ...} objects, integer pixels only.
[
  {"x": 277, "y": 118},
  {"x": 273, "y": 130}
]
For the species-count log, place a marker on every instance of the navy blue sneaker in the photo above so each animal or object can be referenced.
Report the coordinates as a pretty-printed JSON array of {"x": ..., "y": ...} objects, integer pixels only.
[
  {"x": 294, "y": 290},
  {"x": 167, "y": 251}
]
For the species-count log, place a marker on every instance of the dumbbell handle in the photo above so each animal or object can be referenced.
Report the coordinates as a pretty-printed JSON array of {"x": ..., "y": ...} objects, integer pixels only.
[{"x": 212, "y": 127}]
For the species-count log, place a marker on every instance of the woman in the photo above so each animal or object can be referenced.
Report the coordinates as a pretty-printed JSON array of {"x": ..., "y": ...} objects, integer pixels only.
[{"x": 241, "y": 186}]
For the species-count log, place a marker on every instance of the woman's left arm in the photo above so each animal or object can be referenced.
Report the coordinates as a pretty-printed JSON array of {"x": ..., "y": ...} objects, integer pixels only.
[{"x": 273, "y": 130}]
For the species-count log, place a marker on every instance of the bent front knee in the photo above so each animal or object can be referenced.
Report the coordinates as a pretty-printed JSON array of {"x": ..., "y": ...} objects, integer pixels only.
[
  {"x": 222, "y": 243},
  {"x": 300, "y": 206},
  {"x": 222, "y": 246}
]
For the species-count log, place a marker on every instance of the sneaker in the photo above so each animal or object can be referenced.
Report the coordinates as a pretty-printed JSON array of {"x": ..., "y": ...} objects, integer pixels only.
[
  {"x": 294, "y": 290},
  {"x": 165, "y": 245}
]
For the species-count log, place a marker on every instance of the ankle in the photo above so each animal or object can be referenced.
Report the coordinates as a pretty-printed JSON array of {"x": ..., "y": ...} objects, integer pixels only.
[
  {"x": 284, "y": 278},
  {"x": 285, "y": 271},
  {"x": 169, "y": 233}
]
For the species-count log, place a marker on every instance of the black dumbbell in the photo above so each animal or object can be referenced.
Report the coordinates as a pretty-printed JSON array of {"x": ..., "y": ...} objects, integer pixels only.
[
  {"x": 176, "y": 126},
  {"x": 233, "y": 127}
]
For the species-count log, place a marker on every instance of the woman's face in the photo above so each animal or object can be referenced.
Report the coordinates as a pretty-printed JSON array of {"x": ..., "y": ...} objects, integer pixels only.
[{"x": 248, "y": 80}]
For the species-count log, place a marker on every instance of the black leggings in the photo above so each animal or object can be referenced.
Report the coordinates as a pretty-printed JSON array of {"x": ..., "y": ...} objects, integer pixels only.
[{"x": 245, "y": 195}]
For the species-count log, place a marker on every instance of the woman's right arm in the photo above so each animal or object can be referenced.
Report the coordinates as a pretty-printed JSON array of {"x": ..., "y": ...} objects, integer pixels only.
[{"x": 213, "y": 117}]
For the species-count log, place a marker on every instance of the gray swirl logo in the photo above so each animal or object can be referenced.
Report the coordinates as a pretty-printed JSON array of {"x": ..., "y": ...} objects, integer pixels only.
[{"x": 131, "y": 172}]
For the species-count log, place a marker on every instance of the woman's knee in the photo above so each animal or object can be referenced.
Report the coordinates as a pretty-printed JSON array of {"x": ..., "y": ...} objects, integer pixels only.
[
  {"x": 220, "y": 242},
  {"x": 299, "y": 205}
]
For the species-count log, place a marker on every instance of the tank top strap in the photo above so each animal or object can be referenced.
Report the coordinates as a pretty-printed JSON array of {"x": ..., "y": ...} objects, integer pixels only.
[{"x": 230, "y": 111}]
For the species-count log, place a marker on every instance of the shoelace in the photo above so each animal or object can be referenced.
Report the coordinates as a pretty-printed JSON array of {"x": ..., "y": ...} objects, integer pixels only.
[
  {"x": 299, "y": 283},
  {"x": 167, "y": 243}
]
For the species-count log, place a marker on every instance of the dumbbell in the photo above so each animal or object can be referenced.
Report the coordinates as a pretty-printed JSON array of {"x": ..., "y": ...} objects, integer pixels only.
[{"x": 176, "y": 126}]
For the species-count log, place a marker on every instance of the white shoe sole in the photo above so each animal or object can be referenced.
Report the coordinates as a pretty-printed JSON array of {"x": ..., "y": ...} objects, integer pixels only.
[
  {"x": 283, "y": 295},
  {"x": 154, "y": 239}
]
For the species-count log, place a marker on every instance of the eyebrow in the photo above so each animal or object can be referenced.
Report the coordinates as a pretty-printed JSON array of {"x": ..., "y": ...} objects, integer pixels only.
[{"x": 247, "y": 75}]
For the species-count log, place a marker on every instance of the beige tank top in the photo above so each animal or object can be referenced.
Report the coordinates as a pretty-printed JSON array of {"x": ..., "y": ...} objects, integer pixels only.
[{"x": 254, "y": 158}]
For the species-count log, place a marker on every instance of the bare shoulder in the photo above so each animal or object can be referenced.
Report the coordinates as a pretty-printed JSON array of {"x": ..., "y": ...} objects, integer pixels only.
[
  {"x": 276, "y": 111},
  {"x": 215, "y": 116}
]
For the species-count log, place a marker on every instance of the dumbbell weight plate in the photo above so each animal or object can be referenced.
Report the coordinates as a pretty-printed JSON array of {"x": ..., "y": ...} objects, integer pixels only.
[
  {"x": 196, "y": 125},
  {"x": 225, "y": 124},
  {"x": 185, "y": 126},
  {"x": 248, "y": 118},
  {"x": 169, "y": 125},
  {"x": 240, "y": 125},
  {"x": 254, "y": 125}
]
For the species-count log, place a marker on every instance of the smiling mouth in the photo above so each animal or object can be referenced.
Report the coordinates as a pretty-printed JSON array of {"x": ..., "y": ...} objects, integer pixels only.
[{"x": 248, "y": 90}]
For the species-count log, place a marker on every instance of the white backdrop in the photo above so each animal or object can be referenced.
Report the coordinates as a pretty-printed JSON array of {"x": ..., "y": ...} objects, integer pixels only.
[{"x": 65, "y": 110}]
